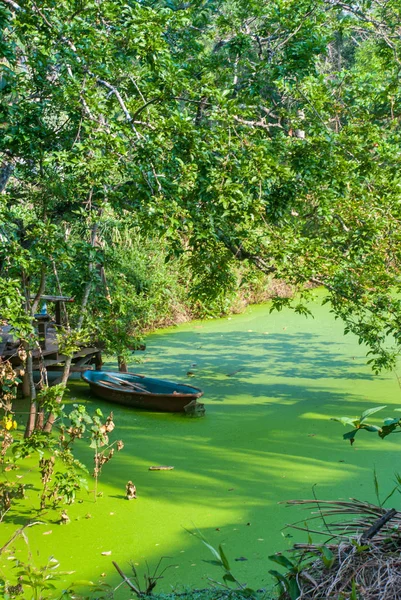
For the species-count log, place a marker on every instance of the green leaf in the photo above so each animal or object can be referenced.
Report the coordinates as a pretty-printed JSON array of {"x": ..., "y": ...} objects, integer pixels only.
[
  {"x": 371, "y": 428},
  {"x": 282, "y": 560},
  {"x": 223, "y": 559},
  {"x": 376, "y": 486},
  {"x": 279, "y": 576},
  {"x": 293, "y": 589},
  {"x": 387, "y": 430},
  {"x": 216, "y": 553},
  {"x": 350, "y": 435},
  {"x": 371, "y": 411},
  {"x": 354, "y": 595},
  {"x": 327, "y": 557},
  {"x": 390, "y": 421},
  {"x": 345, "y": 420},
  {"x": 248, "y": 593}
]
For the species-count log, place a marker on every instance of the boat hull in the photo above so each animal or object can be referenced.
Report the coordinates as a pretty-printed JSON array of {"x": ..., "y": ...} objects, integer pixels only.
[{"x": 168, "y": 401}]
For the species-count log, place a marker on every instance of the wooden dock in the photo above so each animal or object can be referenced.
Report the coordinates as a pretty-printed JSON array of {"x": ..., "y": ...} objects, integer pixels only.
[{"x": 47, "y": 353}]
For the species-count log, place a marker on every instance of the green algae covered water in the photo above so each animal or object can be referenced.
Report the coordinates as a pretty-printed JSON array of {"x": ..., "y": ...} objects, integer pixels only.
[{"x": 271, "y": 383}]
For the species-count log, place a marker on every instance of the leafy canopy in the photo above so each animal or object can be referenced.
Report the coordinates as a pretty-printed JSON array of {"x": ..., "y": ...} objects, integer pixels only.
[{"x": 259, "y": 131}]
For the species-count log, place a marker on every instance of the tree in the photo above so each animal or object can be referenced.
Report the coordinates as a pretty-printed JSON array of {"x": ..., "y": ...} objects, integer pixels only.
[
  {"x": 264, "y": 132},
  {"x": 295, "y": 164}
]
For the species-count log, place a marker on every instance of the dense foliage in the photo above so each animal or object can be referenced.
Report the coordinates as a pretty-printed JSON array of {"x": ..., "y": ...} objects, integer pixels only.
[
  {"x": 201, "y": 134},
  {"x": 148, "y": 147},
  {"x": 258, "y": 131}
]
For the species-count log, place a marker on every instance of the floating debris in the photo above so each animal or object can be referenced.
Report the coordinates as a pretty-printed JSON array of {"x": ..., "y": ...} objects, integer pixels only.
[
  {"x": 234, "y": 372},
  {"x": 130, "y": 490},
  {"x": 195, "y": 409},
  {"x": 161, "y": 468},
  {"x": 64, "y": 518}
]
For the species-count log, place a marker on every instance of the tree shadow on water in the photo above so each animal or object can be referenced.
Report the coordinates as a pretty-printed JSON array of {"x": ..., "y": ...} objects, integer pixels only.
[
  {"x": 297, "y": 355},
  {"x": 266, "y": 437}
]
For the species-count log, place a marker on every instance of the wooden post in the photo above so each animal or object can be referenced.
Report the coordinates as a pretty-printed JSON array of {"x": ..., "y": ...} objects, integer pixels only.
[
  {"x": 26, "y": 389},
  {"x": 42, "y": 332},
  {"x": 42, "y": 322},
  {"x": 58, "y": 312},
  {"x": 98, "y": 361}
]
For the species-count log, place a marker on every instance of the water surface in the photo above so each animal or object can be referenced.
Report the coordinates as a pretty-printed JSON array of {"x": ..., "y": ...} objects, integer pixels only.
[{"x": 271, "y": 382}]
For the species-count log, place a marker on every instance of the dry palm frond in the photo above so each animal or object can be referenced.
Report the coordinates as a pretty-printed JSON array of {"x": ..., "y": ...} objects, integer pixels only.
[
  {"x": 365, "y": 515},
  {"x": 369, "y": 568}
]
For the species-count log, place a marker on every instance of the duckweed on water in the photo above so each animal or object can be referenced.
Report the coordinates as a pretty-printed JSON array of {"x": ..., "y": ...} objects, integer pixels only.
[{"x": 271, "y": 382}]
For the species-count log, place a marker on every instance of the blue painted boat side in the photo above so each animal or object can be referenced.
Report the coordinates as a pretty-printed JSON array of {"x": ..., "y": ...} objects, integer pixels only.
[{"x": 151, "y": 384}]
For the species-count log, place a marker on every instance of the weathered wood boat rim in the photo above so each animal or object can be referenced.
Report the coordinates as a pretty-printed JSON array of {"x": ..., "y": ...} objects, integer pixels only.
[{"x": 178, "y": 390}]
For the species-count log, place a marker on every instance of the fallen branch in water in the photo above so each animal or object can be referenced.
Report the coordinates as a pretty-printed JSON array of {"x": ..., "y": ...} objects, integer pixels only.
[{"x": 19, "y": 532}]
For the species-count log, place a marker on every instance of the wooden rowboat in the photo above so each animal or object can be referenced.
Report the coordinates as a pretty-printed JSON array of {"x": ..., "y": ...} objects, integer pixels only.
[{"x": 139, "y": 391}]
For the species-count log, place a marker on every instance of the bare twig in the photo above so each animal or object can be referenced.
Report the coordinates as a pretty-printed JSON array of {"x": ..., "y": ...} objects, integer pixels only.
[
  {"x": 127, "y": 581},
  {"x": 261, "y": 123},
  {"x": 117, "y": 94},
  {"x": 19, "y": 532}
]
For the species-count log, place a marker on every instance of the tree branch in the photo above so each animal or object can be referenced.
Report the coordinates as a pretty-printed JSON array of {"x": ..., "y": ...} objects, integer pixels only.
[
  {"x": 5, "y": 174},
  {"x": 262, "y": 123},
  {"x": 287, "y": 39},
  {"x": 241, "y": 254},
  {"x": 117, "y": 94},
  {"x": 13, "y": 4},
  {"x": 138, "y": 112},
  {"x": 40, "y": 291}
]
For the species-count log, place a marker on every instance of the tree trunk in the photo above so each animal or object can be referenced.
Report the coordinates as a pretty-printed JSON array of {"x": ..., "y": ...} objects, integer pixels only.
[
  {"x": 26, "y": 388},
  {"x": 122, "y": 365},
  {"x": 40, "y": 291},
  {"x": 30, "y": 426},
  {"x": 6, "y": 170},
  {"x": 66, "y": 372},
  {"x": 63, "y": 309},
  {"x": 28, "y": 377},
  {"x": 40, "y": 419}
]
